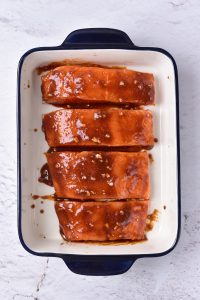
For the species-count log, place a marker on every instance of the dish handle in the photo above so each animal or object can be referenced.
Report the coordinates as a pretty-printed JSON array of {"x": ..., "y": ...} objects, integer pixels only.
[
  {"x": 99, "y": 266},
  {"x": 98, "y": 38}
]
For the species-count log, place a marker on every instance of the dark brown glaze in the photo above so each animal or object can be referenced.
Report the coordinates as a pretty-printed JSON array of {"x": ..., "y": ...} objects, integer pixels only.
[
  {"x": 117, "y": 242},
  {"x": 151, "y": 158},
  {"x": 99, "y": 127},
  {"x": 102, "y": 221},
  {"x": 100, "y": 175},
  {"x": 98, "y": 105},
  {"x": 69, "y": 84},
  {"x": 45, "y": 176},
  {"x": 151, "y": 219},
  {"x": 99, "y": 148},
  {"x": 72, "y": 62}
]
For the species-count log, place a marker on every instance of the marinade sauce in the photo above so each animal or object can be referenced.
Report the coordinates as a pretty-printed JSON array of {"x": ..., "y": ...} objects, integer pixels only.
[{"x": 45, "y": 176}]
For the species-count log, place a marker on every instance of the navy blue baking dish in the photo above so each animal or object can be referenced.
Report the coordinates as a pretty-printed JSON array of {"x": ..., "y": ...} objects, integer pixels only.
[{"x": 108, "y": 47}]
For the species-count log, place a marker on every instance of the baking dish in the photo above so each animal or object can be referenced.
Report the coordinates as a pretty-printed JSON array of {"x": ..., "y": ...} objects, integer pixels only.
[{"x": 39, "y": 232}]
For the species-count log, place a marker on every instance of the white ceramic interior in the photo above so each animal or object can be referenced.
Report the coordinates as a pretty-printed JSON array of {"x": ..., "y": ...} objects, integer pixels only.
[{"x": 163, "y": 170}]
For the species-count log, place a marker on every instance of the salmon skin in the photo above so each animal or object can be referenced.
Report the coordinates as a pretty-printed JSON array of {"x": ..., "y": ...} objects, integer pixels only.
[
  {"x": 102, "y": 221},
  {"x": 100, "y": 175},
  {"x": 76, "y": 84},
  {"x": 111, "y": 127}
]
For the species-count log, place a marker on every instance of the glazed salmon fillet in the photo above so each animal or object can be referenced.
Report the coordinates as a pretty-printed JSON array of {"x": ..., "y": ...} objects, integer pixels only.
[
  {"x": 100, "y": 175},
  {"x": 102, "y": 221},
  {"x": 113, "y": 127},
  {"x": 76, "y": 84}
]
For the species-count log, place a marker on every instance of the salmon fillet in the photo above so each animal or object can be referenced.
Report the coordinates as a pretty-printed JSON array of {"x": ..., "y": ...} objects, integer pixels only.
[
  {"x": 102, "y": 221},
  {"x": 76, "y": 84},
  {"x": 100, "y": 175},
  {"x": 99, "y": 127}
]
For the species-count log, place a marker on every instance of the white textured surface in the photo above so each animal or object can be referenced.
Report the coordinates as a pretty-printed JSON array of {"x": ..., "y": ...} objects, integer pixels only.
[{"x": 173, "y": 25}]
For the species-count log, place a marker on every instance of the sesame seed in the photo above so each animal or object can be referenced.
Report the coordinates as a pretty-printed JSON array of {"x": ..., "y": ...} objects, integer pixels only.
[
  {"x": 95, "y": 140},
  {"x": 75, "y": 139},
  {"x": 107, "y": 135},
  {"x": 98, "y": 155},
  {"x": 110, "y": 183}
]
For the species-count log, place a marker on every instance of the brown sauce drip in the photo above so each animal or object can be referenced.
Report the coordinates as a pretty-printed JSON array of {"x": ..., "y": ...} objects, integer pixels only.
[
  {"x": 72, "y": 62},
  {"x": 45, "y": 197},
  {"x": 62, "y": 234},
  {"x": 151, "y": 219},
  {"x": 35, "y": 129},
  {"x": 41, "y": 211},
  {"x": 164, "y": 206},
  {"x": 45, "y": 176},
  {"x": 155, "y": 140},
  {"x": 151, "y": 158},
  {"x": 33, "y": 206}
]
